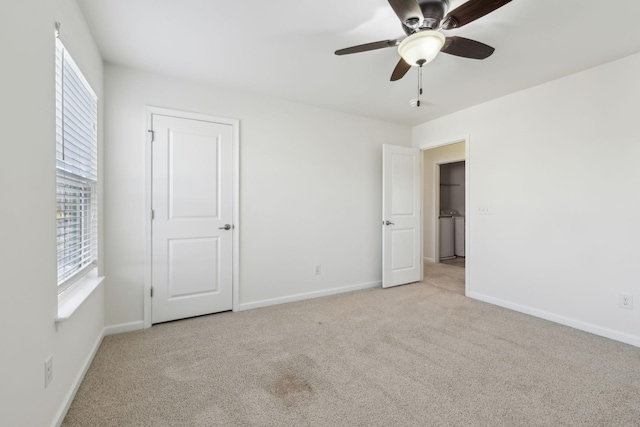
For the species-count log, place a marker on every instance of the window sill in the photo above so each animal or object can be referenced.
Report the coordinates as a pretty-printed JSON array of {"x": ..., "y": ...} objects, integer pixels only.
[{"x": 71, "y": 299}]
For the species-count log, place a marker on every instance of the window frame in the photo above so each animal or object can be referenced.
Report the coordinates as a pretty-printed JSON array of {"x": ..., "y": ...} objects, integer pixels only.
[{"x": 76, "y": 171}]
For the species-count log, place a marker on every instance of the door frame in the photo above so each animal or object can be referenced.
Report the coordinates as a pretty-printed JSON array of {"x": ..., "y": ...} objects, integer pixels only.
[
  {"x": 427, "y": 145},
  {"x": 235, "y": 124}
]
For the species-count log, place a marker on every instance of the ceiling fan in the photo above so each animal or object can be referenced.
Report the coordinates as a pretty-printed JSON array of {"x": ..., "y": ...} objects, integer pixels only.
[{"x": 422, "y": 21}]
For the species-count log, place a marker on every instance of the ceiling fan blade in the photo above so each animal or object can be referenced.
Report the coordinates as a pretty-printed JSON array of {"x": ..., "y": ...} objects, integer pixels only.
[
  {"x": 368, "y": 46},
  {"x": 400, "y": 70},
  {"x": 470, "y": 11},
  {"x": 466, "y": 48},
  {"x": 408, "y": 11}
]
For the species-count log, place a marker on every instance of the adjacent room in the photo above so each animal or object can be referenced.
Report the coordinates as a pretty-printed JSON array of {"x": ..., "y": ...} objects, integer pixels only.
[{"x": 294, "y": 213}]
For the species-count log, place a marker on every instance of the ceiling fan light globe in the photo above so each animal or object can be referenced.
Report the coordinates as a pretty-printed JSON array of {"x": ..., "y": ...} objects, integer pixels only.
[{"x": 421, "y": 46}]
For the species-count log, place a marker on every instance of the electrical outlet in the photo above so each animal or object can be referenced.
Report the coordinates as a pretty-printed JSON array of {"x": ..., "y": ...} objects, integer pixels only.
[
  {"x": 48, "y": 371},
  {"x": 318, "y": 269},
  {"x": 625, "y": 301}
]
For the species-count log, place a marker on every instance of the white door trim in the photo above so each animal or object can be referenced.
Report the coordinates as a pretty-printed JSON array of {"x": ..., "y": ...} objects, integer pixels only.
[
  {"x": 466, "y": 138},
  {"x": 235, "y": 124}
]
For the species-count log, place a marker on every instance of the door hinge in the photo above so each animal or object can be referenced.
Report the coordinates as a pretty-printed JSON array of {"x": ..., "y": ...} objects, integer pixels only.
[
  {"x": 152, "y": 292},
  {"x": 153, "y": 214},
  {"x": 153, "y": 134}
]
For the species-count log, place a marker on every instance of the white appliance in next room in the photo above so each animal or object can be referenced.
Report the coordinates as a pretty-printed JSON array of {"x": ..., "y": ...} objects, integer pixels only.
[
  {"x": 459, "y": 235},
  {"x": 446, "y": 237}
]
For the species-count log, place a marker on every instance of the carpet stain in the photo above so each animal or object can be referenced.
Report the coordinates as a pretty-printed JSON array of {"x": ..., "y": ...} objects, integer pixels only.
[{"x": 291, "y": 388}]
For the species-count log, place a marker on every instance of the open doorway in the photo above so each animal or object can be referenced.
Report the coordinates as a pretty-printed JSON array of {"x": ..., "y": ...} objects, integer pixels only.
[
  {"x": 444, "y": 170},
  {"x": 451, "y": 213}
]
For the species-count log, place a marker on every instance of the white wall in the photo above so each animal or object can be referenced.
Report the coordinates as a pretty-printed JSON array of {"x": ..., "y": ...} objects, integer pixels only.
[
  {"x": 27, "y": 217},
  {"x": 310, "y": 184},
  {"x": 558, "y": 163}
]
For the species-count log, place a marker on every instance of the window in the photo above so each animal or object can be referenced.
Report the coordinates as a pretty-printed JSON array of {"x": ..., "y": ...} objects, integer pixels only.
[{"x": 76, "y": 170}]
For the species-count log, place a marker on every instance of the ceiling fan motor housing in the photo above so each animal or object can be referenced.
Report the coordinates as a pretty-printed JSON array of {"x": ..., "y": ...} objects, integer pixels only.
[{"x": 433, "y": 12}]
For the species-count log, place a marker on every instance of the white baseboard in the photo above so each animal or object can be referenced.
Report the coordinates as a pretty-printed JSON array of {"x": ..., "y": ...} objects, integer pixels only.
[
  {"x": 567, "y": 321},
  {"x": 307, "y": 295},
  {"x": 123, "y": 327},
  {"x": 429, "y": 259},
  {"x": 68, "y": 399}
]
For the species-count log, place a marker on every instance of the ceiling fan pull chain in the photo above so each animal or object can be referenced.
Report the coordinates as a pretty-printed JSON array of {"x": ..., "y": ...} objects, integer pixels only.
[
  {"x": 420, "y": 63},
  {"x": 419, "y": 85}
]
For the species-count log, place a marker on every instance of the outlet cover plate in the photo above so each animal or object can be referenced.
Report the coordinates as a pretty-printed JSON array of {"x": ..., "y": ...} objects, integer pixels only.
[{"x": 625, "y": 301}]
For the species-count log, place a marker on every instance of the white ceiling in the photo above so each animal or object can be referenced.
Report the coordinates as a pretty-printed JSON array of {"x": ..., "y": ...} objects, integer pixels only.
[{"x": 284, "y": 48}]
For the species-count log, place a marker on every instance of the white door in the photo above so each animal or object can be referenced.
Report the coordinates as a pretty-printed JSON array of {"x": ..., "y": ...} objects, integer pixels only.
[
  {"x": 401, "y": 218},
  {"x": 192, "y": 230}
]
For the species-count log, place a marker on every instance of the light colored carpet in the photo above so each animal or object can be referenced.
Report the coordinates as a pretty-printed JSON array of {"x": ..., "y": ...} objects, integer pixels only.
[
  {"x": 458, "y": 261},
  {"x": 444, "y": 276},
  {"x": 415, "y": 355}
]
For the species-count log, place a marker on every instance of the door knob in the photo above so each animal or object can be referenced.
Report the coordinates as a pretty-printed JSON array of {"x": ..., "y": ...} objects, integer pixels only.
[
  {"x": 388, "y": 223},
  {"x": 226, "y": 227}
]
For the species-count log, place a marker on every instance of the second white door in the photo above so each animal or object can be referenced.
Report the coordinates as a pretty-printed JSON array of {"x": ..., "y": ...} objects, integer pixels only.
[
  {"x": 192, "y": 229},
  {"x": 401, "y": 213}
]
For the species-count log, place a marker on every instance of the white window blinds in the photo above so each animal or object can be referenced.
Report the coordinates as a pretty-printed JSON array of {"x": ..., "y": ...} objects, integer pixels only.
[{"x": 76, "y": 169}]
